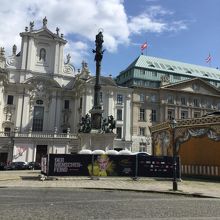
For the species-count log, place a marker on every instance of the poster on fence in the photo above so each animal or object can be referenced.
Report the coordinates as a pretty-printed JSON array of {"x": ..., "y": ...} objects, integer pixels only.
[
  {"x": 151, "y": 166},
  {"x": 44, "y": 165},
  {"x": 112, "y": 165},
  {"x": 69, "y": 165}
]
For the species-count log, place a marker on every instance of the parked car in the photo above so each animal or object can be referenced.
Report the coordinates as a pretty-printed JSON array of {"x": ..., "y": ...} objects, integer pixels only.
[
  {"x": 34, "y": 166},
  {"x": 2, "y": 166},
  {"x": 20, "y": 165}
]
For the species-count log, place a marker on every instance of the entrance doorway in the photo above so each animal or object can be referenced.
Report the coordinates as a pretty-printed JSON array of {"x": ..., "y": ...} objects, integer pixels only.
[
  {"x": 41, "y": 151},
  {"x": 3, "y": 157}
]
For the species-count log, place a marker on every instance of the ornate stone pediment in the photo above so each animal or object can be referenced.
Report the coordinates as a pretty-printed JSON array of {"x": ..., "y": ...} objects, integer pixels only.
[
  {"x": 165, "y": 80},
  {"x": 193, "y": 86},
  {"x": 45, "y": 35}
]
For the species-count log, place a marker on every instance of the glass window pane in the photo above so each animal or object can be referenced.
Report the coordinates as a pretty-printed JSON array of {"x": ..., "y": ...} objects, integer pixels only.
[{"x": 38, "y": 118}]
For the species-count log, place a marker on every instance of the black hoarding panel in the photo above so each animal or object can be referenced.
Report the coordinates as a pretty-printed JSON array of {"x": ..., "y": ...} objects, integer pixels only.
[
  {"x": 151, "y": 166},
  {"x": 69, "y": 164},
  {"x": 109, "y": 165},
  {"x": 112, "y": 165}
]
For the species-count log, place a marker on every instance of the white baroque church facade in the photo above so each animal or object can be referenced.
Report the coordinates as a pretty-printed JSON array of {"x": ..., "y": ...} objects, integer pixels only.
[{"x": 43, "y": 97}]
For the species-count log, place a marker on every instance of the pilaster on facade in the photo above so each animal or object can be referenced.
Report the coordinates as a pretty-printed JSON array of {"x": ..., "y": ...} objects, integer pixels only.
[
  {"x": 60, "y": 67},
  {"x": 30, "y": 56},
  {"x": 110, "y": 102},
  {"x": 25, "y": 108},
  {"x": 127, "y": 117},
  {"x": 57, "y": 58}
]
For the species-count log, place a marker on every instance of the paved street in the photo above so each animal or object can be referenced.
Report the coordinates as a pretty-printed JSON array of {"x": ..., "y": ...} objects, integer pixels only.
[
  {"x": 71, "y": 203},
  {"x": 203, "y": 188}
]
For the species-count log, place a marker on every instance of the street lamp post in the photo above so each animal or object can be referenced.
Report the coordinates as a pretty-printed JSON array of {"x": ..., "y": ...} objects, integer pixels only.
[{"x": 173, "y": 125}]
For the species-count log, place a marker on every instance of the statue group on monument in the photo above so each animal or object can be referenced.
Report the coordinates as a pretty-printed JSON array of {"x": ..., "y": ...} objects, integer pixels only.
[
  {"x": 107, "y": 124},
  {"x": 85, "y": 124}
]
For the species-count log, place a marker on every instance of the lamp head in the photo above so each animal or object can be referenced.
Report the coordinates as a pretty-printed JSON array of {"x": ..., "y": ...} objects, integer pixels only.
[{"x": 173, "y": 123}]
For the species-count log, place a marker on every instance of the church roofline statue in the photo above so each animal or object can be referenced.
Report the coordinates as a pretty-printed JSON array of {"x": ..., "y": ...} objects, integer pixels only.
[
  {"x": 68, "y": 57},
  {"x": 14, "y": 49},
  {"x": 32, "y": 26},
  {"x": 45, "y": 22},
  {"x": 2, "y": 51},
  {"x": 57, "y": 30}
]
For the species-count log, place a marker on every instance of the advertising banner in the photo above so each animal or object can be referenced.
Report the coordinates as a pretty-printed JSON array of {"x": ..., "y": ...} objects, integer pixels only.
[
  {"x": 69, "y": 164},
  {"x": 112, "y": 165}
]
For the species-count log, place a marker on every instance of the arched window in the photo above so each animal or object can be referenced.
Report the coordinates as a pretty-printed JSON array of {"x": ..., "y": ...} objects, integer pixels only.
[
  {"x": 39, "y": 102},
  {"x": 7, "y": 131},
  {"x": 42, "y": 54}
]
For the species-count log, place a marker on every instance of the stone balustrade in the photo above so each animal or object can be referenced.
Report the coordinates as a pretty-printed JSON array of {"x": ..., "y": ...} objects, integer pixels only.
[{"x": 38, "y": 135}]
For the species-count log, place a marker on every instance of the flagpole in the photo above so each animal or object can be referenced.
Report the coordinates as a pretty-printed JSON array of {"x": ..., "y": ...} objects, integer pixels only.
[
  {"x": 209, "y": 59},
  {"x": 143, "y": 47},
  {"x": 146, "y": 48}
]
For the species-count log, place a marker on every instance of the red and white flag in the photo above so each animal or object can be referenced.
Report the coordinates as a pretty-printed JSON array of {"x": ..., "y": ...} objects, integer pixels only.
[
  {"x": 143, "y": 46},
  {"x": 208, "y": 59}
]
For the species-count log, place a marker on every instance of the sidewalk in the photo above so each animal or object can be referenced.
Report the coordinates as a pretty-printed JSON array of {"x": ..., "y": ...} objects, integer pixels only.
[{"x": 185, "y": 187}]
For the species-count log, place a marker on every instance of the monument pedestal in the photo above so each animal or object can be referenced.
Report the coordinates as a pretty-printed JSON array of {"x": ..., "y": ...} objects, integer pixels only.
[{"x": 96, "y": 141}]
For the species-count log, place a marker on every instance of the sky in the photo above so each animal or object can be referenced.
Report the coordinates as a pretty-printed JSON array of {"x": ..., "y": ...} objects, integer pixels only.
[{"x": 182, "y": 30}]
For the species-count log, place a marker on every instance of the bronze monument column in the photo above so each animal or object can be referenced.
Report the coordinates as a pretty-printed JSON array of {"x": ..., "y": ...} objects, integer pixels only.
[{"x": 96, "y": 111}]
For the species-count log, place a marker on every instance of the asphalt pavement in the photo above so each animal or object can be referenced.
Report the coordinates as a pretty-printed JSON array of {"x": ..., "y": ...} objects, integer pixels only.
[{"x": 191, "y": 187}]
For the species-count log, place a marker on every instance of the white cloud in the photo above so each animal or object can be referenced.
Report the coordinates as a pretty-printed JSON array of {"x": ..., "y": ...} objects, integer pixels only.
[
  {"x": 177, "y": 25},
  {"x": 143, "y": 23},
  {"x": 82, "y": 19},
  {"x": 154, "y": 20},
  {"x": 157, "y": 10}
]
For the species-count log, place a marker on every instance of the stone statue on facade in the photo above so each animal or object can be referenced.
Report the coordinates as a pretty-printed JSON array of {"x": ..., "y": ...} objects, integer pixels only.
[
  {"x": 8, "y": 116},
  {"x": 68, "y": 57}
]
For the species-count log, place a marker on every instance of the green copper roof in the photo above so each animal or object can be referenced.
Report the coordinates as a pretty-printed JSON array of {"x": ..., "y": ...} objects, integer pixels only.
[{"x": 171, "y": 66}]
